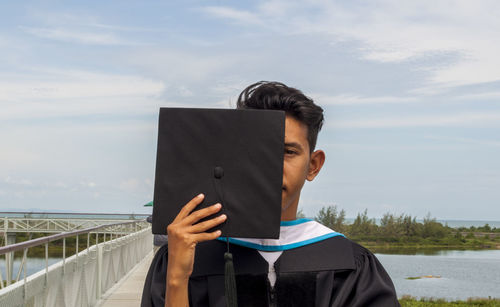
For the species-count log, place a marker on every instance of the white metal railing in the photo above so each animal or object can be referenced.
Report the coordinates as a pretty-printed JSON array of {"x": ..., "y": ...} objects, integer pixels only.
[
  {"x": 79, "y": 280},
  {"x": 50, "y": 225}
]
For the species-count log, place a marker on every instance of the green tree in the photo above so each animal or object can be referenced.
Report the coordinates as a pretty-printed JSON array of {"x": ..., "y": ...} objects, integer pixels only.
[
  {"x": 410, "y": 226},
  {"x": 395, "y": 227},
  {"x": 485, "y": 228},
  {"x": 388, "y": 226},
  {"x": 329, "y": 217},
  {"x": 459, "y": 236},
  {"x": 363, "y": 226},
  {"x": 300, "y": 214},
  {"x": 433, "y": 229}
]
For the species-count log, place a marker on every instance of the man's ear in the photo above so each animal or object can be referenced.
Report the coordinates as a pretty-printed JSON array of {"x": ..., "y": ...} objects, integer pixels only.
[{"x": 315, "y": 164}]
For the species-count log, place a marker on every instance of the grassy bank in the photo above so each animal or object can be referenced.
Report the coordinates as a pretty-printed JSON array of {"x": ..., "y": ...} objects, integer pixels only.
[
  {"x": 405, "y": 245},
  {"x": 421, "y": 248},
  {"x": 408, "y": 301}
]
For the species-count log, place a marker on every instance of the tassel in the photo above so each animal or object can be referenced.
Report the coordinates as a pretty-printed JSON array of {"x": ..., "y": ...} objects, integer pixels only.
[
  {"x": 229, "y": 276},
  {"x": 230, "y": 281}
]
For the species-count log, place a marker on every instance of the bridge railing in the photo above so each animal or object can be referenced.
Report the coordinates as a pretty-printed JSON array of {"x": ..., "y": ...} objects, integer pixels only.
[
  {"x": 81, "y": 279},
  {"x": 50, "y": 225}
]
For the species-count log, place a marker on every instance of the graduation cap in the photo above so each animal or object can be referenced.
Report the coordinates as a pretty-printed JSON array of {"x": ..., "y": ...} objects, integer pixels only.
[{"x": 233, "y": 157}]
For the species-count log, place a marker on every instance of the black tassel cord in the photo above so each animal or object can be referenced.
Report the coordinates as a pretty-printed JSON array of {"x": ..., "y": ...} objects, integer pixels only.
[
  {"x": 229, "y": 276},
  {"x": 230, "y": 279}
]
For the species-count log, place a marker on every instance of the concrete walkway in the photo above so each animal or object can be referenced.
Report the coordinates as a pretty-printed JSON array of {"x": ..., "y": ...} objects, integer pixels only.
[{"x": 128, "y": 291}]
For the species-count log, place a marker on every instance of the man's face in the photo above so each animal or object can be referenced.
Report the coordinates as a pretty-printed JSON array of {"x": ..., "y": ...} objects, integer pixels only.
[{"x": 298, "y": 166}]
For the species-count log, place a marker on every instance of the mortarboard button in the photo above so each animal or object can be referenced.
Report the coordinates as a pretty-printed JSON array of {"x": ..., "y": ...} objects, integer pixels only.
[{"x": 218, "y": 172}]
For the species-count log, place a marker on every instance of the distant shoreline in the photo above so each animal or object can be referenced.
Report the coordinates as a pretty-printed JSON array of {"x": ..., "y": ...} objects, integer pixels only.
[{"x": 411, "y": 249}]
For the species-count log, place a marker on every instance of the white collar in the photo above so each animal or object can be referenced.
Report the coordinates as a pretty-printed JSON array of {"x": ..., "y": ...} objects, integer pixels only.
[{"x": 293, "y": 234}]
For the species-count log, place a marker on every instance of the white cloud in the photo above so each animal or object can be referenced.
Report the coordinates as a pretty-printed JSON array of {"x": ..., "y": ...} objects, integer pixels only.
[
  {"x": 88, "y": 184},
  {"x": 61, "y": 185},
  {"x": 56, "y": 92},
  {"x": 78, "y": 36},
  {"x": 239, "y": 16},
  {"x": 464, "y": 119},
  {"x": 12, "y": 154},
  {"x": 78, "y": 84},
  {"x": 483, "y": 142},
  {"x": 135, "y": 185},
  {"x": 129, "y": 184},
  {"x": 480, "y": 96},
  {"x": 395, "y": 31},
  {"x": 18, "y": 181},
  {"x": 80, "y": 28},
  {"x": 352, "y": 99},
  {"x": 187, "y": 67}
]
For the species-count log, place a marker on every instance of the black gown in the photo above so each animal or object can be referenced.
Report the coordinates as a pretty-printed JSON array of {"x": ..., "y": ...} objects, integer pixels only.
[{"x": 333, "y": 272}]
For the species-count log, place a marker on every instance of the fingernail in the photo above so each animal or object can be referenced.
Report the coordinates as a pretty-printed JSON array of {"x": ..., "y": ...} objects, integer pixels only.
[
  {"x": 200, "y": 195},
  {"x": 223, "y": 216},
  {"x": 217, "y": 205},
  {"x": 218, "y": 232}
]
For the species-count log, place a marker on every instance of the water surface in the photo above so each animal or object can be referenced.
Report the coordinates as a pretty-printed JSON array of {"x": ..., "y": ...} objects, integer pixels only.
[{"x": 463, "y": 274}]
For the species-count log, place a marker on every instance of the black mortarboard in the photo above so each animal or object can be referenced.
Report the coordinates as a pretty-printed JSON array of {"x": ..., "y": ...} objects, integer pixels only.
[{"x": 234, "y": 157}]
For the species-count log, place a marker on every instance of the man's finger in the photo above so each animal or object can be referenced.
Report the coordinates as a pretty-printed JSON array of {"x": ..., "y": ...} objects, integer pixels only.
[
  {"x": 206, "y": 225},
  {"x": 189, "y": 207},
  {"x": 197, "y": 215},
  {"x": 207, "y": 236}
]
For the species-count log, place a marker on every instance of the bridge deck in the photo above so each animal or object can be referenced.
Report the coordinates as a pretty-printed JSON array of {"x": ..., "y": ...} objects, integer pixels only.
[{"x": 128, "y": 291}]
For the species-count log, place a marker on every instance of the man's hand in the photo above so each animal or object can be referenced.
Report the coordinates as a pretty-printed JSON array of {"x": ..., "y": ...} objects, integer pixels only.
[{"x": 183, "y": 235}]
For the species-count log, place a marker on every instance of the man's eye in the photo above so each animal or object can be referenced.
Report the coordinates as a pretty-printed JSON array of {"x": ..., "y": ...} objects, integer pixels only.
[{"x": 290, "y": 152}]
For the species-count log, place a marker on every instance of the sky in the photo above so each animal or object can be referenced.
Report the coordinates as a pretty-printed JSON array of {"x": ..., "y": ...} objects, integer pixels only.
[{"x": 410, "y": 89}]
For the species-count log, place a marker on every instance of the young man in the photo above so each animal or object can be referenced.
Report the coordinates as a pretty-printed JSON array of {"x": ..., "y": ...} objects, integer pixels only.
[{"x": 309, "y": 265}]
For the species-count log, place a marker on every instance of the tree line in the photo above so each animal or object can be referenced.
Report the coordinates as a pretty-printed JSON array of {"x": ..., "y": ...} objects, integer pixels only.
[{"x": 402, "y": 228}]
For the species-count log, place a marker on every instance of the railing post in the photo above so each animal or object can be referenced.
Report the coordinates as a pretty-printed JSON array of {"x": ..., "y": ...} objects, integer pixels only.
[
  {"x": 99, "y": 271},
  {"x": 46, "y": 285},
  {"x": 76, "y": 252},
  {"x": 64, "y": 256},
  {"x": 10, "y": 238},
  {"x": 25, "y": 253}
]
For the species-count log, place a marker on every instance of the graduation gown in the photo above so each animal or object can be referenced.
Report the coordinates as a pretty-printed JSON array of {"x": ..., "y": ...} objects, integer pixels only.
[{"x": 333, "y": 271}]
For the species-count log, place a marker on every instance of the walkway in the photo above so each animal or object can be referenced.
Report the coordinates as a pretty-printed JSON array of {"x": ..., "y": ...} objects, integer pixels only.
[{"x": 128, "y": 291}]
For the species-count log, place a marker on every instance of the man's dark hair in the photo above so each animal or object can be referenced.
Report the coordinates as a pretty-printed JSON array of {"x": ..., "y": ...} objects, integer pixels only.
[{"x": 278, "y": 96}]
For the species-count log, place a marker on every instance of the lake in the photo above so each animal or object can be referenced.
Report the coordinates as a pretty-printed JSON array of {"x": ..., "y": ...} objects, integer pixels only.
[
  {"x": 34, "y": 265},
  {"x": 463, "y": 274}
]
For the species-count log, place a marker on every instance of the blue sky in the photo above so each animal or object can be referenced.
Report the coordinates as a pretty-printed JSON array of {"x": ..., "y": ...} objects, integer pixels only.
[{"x": 411, "y": 92}]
